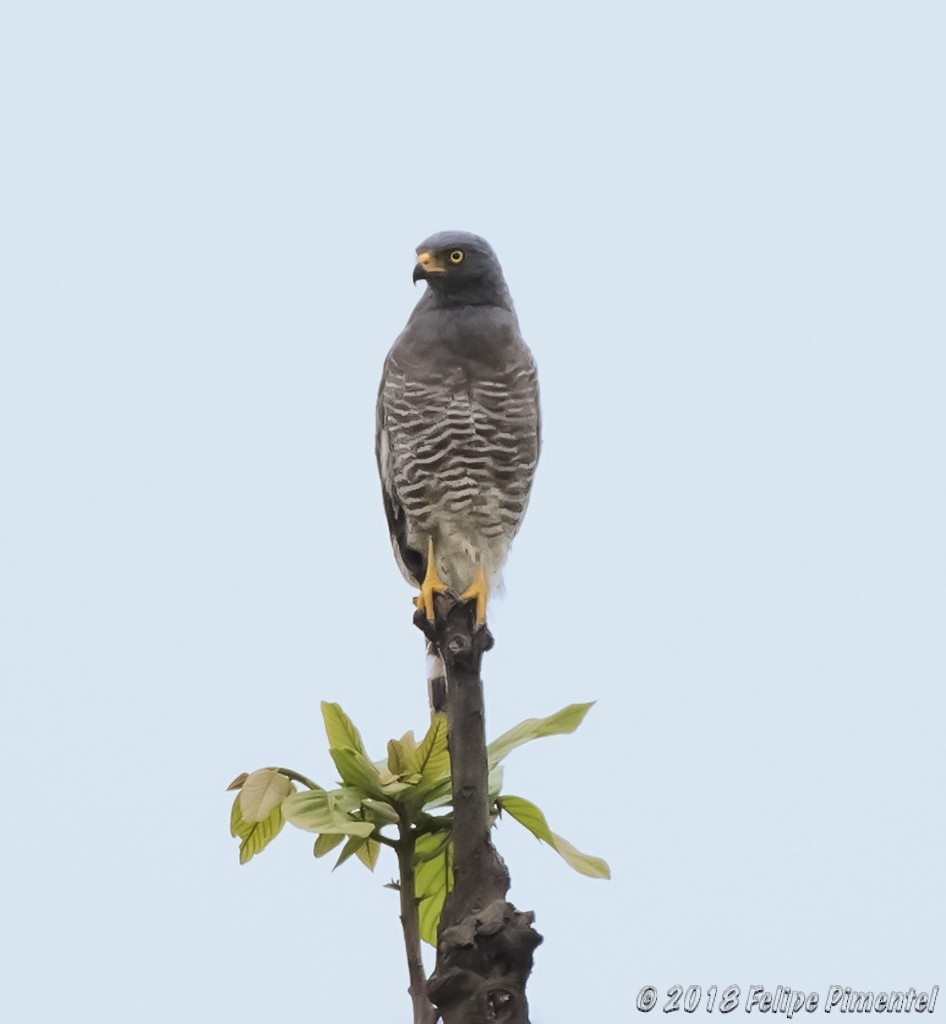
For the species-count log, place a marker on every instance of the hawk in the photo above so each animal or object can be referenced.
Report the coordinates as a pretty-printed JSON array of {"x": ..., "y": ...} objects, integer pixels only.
[{"x": 457, "y": 425}]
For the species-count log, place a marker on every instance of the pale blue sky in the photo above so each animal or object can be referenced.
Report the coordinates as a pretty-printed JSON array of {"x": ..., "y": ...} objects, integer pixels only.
[{"x": 723, "y": 226}]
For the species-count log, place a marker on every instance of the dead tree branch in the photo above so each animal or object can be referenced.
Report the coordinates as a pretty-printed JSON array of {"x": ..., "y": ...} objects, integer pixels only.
[{"x": 485, "y": 946}]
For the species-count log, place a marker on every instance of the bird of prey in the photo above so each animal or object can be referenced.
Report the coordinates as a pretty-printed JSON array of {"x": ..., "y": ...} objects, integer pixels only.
[{"x": 457, "y": 425}]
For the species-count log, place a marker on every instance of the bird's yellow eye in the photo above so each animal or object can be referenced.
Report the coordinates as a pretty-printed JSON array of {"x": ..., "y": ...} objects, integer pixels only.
[{"x": 456, "y": 256}]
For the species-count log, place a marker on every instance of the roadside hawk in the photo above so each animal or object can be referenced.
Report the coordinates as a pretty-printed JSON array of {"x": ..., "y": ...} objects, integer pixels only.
[{"x": 457, "y": 425}]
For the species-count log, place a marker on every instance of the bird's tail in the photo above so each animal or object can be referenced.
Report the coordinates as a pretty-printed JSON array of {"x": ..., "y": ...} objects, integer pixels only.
[{"x": 436, "y": 679}]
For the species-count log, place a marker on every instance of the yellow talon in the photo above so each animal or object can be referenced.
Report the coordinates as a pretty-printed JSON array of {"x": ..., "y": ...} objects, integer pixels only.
[
  {"x": 478, "y": 590},
  {"x": 432, "y": 584}
]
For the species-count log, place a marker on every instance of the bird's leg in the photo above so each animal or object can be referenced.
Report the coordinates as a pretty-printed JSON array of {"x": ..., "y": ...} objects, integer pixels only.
[
  {"x": 432, "y": 584},
  {"x": 478, "y": 591}
]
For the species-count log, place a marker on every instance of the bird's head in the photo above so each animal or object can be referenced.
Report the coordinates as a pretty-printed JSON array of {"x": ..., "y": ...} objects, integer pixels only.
[{"x": 462, "y": 266}]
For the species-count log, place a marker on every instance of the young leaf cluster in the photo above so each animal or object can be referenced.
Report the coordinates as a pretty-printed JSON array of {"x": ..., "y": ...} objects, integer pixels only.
[{"x": 408, "y": 793}]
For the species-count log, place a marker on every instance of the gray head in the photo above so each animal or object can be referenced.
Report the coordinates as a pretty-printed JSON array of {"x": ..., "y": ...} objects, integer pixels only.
[{"x": 461, "y": 269}]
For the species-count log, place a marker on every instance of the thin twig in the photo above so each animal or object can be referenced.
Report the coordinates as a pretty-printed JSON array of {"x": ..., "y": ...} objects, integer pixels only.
[
  {"x": 424, "y": 1011},
  {"x": 296, "y": 777}
]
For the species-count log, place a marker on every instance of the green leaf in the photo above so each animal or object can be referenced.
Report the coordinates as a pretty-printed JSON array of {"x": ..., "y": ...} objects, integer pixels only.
[
  {"x": 392, "y": 789},
  {"x": 357, "y": 771},
  {"x": 494, "y": 782},
  {"x": 432, "y": 758},
  {"x": 432, "y": 761},
  {"x": 430, "y": 845},
  {"x": 433, "y": 879},
  {"x": 379, "y": 812},
  {"x": 254, "y": 836},
  {"x": 316, "y": 811},
  {"x": 528, "y": 815},
  {"x": 583, "y": 863},
  {"x": 354, "y": 844},
  {"x": 262, "y": 791},
  {"x": 368, "y": 854},
  {"x": 401, "y": 754},
  {"x": 440, "y": 795},
  {"x": 309, "y": 809},
  {"x": 564, "y": 721},
  {"x": 346, "y": 798},
  {"x": 398, "y": 758},
  {"x": 340, "y": 729},
  {"x": 237, "y": 824},
  {"x": 408, "y": 742},
  {"x": 326, "y": 843}
]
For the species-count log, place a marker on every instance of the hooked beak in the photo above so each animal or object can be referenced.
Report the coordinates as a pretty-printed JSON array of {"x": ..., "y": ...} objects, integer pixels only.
[{"x": 427, "y": 263}]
